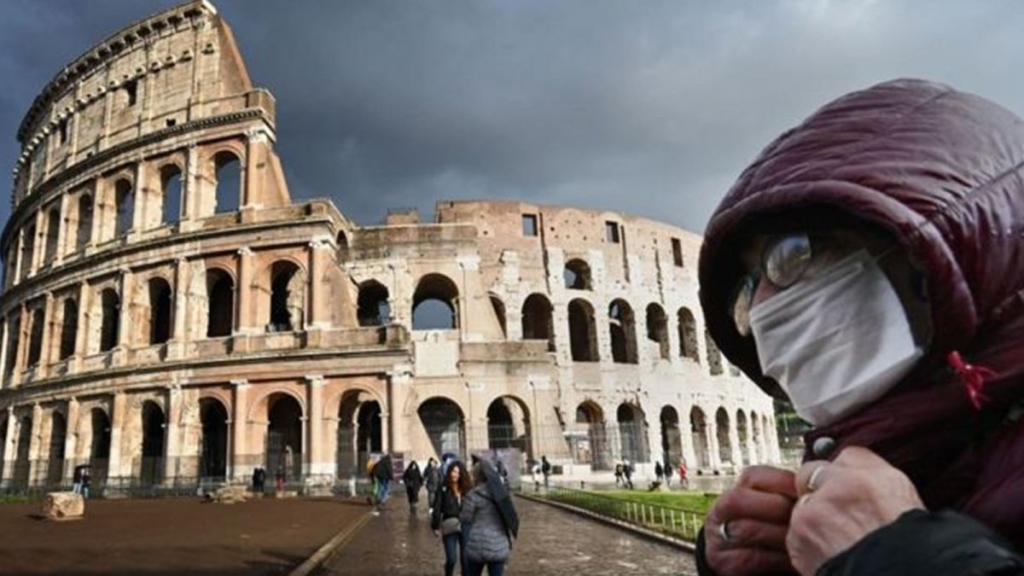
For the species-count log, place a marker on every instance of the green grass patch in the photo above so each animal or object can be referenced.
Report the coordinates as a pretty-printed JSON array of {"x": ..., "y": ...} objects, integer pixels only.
[{"x": 678, "y": 514}]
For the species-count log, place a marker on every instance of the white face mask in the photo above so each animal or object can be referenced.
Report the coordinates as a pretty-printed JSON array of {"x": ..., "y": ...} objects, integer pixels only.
[{"x": 836, "y": 342}]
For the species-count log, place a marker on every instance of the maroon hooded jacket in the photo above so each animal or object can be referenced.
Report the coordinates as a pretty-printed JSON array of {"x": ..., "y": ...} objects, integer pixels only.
[{"x": 943, "y": 172}]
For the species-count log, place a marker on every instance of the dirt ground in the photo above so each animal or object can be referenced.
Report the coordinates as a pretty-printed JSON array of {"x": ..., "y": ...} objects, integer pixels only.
[{"x": 172, "y": 536}]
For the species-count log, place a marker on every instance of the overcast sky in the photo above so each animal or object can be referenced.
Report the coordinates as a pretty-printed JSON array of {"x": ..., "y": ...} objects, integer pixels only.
[{"x": 646, "y": 107}]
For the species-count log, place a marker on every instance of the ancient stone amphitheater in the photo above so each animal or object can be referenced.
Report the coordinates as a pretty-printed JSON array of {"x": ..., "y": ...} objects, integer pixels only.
[{"x": 170, "y": 315}]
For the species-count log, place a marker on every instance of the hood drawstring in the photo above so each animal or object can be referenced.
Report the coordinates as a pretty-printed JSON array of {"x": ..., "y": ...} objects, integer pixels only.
[{"x": 973, "y": 378}]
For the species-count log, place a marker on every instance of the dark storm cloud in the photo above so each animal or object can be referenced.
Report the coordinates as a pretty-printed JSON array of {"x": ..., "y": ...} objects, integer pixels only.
[{"x": 651, "y": 108}]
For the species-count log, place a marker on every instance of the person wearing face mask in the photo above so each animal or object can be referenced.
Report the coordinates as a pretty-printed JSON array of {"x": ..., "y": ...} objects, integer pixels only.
[{"x": 868, "y": 267}]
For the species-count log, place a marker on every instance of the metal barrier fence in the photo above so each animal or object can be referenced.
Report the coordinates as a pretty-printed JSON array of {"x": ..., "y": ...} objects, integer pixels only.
[{"x": 672, "y": 521}]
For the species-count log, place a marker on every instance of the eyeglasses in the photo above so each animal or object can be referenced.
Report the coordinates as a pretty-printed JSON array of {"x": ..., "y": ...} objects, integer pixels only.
[{"x": 783, "y": 261}]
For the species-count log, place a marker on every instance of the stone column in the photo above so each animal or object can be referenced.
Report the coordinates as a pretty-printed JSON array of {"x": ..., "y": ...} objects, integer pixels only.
[
  {"x": 124, "y": 322},
  {"x": 19, "y": 261},
  {"x": 62, "y": 231},
  {"x": 252, "y": 185},
  {"x": 5, "y": 330},
  {"x": 318, "y": 464},
  {"x": 71, "y": 438},
  {"x": 245, "y": 323},
  {"x": 37, "y": 468},
  {"x": 241, "y": 459},
  {"x": 190, "y": 188},
  {"x": 172, "y": 439},
  {"x": 36, "y": 257},
  {"x": 46, "y": 355},
  {"x": 714, "y": 454},
  {"x": 117, "y": 421},
  {"x": 8, "y": 449},
  {"x": 19, "y": 354},
  {"x": 81, "y": 337},
  {"x": 176, "y": 346},
  {"x": 319, "y": 297},
  {"x": 140, "y": 204}
]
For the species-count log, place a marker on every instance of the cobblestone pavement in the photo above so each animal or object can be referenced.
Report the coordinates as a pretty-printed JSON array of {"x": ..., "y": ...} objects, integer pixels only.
[{"x": 552, "y": 542}]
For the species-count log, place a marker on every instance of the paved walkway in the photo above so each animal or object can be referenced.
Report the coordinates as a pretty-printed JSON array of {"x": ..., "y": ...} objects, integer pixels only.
[{"x": 551, "y": 542}]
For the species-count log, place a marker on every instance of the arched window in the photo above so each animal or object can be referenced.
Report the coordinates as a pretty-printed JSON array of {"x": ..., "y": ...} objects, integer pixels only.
[
  {"x": 69, "y": 328},
  {"x": 159, "y": 311},
  {"x": 13, "y": 341},
  {"x": 35, "y": 342},
  {"x": 688, "y": 335},
  {"x": 84, "y": 222},
  {"x": 582, "y": 331},
  {"x": 537, "y": 321},
  {"x": 111, "y": 306},
  {"x": 373, "y": 307},
  {"x": 52, "y": 233},
  {"x": 657, "y": 329},
  {"x": 124, "y": 204},
  {"x": 228, "y": 181},
  {"x": 622, "y": 326},
  {"x": 286, "y": 297},
  {"x": 714, "y": 356},
  {"x": 577, "y": 275},
  {"x": 435, "y": 304},
  {"x": 170, "y": 187},
  {"x": 220, "y": 290},
  {"x": 28, "y": 249}
]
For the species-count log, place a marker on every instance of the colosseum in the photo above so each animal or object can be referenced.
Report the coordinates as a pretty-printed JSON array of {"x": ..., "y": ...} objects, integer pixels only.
[{"x": 170, "y": 315}]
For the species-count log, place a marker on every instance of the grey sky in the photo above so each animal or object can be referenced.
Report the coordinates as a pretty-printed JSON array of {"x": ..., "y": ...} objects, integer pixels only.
[{"x": 646, "y": 107}]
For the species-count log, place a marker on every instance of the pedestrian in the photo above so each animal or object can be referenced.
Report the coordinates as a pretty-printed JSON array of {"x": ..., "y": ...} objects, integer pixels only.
[
  {"x": 668, "y": 474},
  {"x": 413, "y": 482},
  {"x": 659, "y": 473},
  {"x": 280, "y": 478},
  {"x": 684, "y": 481},
  {"x": 76, "y": 479},
  {"x": 545, "y": 469},
  {"x": 381, "y": 472},
  {"x": 489, "y": 520},
  {"x": 261, "y": 479},
  {"x": 868, "y": 269},
  {"x": 431, "y": 478},
  {"x": 618, "y": 473},
  {"x": 445, "y": 520},
  {"x": 86, "y": 482},
  {"x": 627, "y": 474}
]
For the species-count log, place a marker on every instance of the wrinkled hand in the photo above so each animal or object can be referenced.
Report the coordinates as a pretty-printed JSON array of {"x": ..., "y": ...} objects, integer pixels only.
[
  {"x": 756, "y": 511},
  {"x": 850, "y": 497}
]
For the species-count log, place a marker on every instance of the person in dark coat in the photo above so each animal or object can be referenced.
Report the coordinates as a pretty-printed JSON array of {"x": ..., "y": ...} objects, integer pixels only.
[
  {"x": 381, "y": 472},
  {"x": 868, "y": 267},
  {"x": 489, "y": 520},
  {"x": 659, "y": 472},
  {"x": 413, "y": 482},
  {"x": 431, "y": 479},
  {"x": 445, "y": 520}
]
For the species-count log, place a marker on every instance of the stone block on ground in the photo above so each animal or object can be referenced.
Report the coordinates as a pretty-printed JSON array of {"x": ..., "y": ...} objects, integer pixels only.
[
  {"x": 286, "y": 494},
  {"x": 230, "y": 494},
  {"x": 64, "y": 506}
]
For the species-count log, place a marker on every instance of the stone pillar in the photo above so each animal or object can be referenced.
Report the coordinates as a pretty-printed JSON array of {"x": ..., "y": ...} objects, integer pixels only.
[
  {"x": 99, "y": 212},
  {"x": 117, "y": 421},
  {"x": 190, "y": 188},
  {"x": 19, "y": 354},
  {"x": 241, "y": 459},
  {"x": 318, "y": 463},
  {"x": 62, "y": 230},
  {"x": 81, "y": 338},
  {"x": 36, "y": 257},
  {"x": 245, "y": 322},
  {"x": 714, "y": 454},
  {"x": 19, "y": 261},
  {"x": 252, "y": 185},
  {"x": 124, "y": 322},
  {"x": 176, "y": 346},
  {"x": 8, "y": 451},
  {"x": 5, "y": 330},
  {"x": 319, "y": 293},
  {"x": 771, "y": 440},
  {"x": 46, "y": 355},
  {"x": 71, "y": 438},
  {"x": 172, "y": 439},
  {"x": 37, "y": 468},
  {"x": 140, "y": 204}
]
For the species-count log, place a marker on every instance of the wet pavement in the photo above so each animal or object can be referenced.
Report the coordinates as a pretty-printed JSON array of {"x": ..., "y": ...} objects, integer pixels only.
[{"x": 551, "y": 541}]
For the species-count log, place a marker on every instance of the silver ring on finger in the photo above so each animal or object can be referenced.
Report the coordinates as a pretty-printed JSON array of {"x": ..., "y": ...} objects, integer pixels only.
[
  {"x": 813, "y": 483},
  {"x": 723, "y": 532}
]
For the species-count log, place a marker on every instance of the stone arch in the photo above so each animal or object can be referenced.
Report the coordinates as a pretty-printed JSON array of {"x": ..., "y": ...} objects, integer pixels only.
[
  {"x": 445, "y": 425},
  {"x": 671, "y": 437},
  {"x": 227, "y": 182},
  {"x": 373, "y": 306},
  {"x": 742, "y": 437},
  {"x": 110, "y": 312},
  {"x": 714, "y": 355},
  {"x": 284, "y": 445},
  {"x": 508, "y": 425},
  {"x": 657, "y": 329},
  {"x": 213, "y": 443},
  {"x": 360, "y": 431},
  {"x": 577, "y": 275},
  {"x": 69, "y": 327},
  {"x": 622, "y": 326},
  {"x": 35, "y": 340},
  {"x": 722, "y": 432},
  {"x": 701, "y": 444},
  {"x": 154, "y": 424},
  {"x": 55, "y": 453},
  {"x": 590, "y": 444},
  {"x": 124, "y": 206},
  {"x": 28, "y": 249},
  {"x": 582, "y": 331},
  {"x": 53, "y": 224},
  {"x": 499, "y": 312},
  {"x": 632, "y": 433},
  {"x": 170, "y": 193},
  {"x": 537, "y": 320},
  {"x": 287, "y": 296},
  {"x": 435, "y": 304},
  {"x": 687, "y": 335},
  {"x": 99, "y": 443},
  {"x": 85, "y": 216},
  {"x": 220, "y": 292},
  {"x": 157, "y": 327}
]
